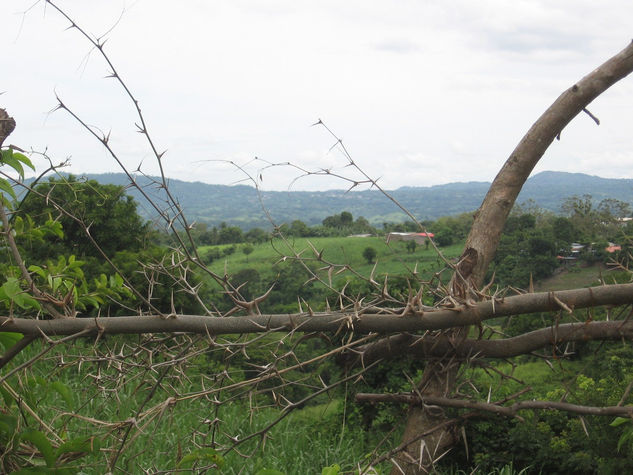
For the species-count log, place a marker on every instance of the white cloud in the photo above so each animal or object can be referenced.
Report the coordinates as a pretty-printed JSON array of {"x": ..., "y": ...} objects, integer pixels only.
[{"x": 421, "y": 92}]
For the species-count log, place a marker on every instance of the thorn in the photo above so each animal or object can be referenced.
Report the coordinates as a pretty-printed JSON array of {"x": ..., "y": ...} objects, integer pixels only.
[{"x": 595, "y": 119}]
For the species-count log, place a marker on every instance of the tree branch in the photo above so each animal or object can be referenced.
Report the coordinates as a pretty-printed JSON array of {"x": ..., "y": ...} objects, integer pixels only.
[
  {"x": 355, "y": 321},
  {"x": 489, "y": 221},
  {"x": 511, "y": 411},
  {"x": 439, "y": 346}
]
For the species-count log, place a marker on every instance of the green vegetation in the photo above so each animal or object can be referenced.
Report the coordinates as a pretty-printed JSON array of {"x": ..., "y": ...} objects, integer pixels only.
[{"x": 327, "y": 431}]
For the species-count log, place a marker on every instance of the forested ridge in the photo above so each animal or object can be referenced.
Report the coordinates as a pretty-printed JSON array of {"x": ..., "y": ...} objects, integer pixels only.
[{"x": 239, "y": 204}]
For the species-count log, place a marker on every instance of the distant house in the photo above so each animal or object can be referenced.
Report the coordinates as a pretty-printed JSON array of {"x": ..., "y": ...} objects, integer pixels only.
[
  {"x": 419, "y": 238},
  {"x": 359, "y": 235},
  {"x": 611, "y": 248},
  {"x": 574, "y": 253}
]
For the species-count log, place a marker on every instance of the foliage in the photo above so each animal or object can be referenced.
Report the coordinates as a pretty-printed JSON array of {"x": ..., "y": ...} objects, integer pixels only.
[
  {"x": 369, "y": 253},
  {"x": 593, "y": 223},
  {"x": 526, "y": 251},
  {"x": 554, "y": 442},
  {"x": 105, "y": 211},
  {"x": 26, "y": 449}
]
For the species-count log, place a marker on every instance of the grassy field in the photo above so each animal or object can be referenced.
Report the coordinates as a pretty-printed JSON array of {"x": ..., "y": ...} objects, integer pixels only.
[
  {"x": 392, "y": 259},
  {"x": 576, "y": 277}
]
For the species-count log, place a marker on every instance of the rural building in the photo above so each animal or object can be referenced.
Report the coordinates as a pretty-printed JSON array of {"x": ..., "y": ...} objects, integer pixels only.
[
  {"x": 419, "y": 238},
  {"x": 612, "y": 247}
]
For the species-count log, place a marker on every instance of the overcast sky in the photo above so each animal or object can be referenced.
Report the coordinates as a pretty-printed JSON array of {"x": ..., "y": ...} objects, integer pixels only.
[{"x": 421, "y": 92}]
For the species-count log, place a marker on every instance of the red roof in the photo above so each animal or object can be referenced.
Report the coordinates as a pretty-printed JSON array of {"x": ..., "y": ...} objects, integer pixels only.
[{"x": 613, "y": 248}]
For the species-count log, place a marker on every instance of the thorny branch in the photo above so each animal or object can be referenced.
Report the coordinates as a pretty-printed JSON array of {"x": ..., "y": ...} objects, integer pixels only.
[{"x": 159, "y": 364}]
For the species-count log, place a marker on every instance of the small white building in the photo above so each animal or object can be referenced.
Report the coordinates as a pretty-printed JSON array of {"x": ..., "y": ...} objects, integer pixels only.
[{"x": 419, "y": 238}]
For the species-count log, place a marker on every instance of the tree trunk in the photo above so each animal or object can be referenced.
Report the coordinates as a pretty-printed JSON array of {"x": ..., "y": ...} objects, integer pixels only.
[{"x": 481, "y": 245}]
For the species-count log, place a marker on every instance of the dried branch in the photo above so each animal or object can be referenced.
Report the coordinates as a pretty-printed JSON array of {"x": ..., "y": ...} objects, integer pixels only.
[{"x": 510, "y": 411}]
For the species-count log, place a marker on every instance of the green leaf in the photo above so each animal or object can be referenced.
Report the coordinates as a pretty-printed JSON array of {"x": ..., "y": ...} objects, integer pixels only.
[
  {"x": 24, "y": 159},
  {"x": 38, "y": 270},
  {"x": 334, "y": 469},
  {"x": 18, "y": 225},
  {"x": 11, "y": 291},
  {"x": 618, "y": 421},
  {"x": 5, "y": 186},
  {"x": 8, "y": 425},
  {"x": 8, "y": 158},
  {"x": 201, "y": 455},
  {"x": 64, "y": 392},
  {"x": 624, "y": 438},
  {"x": 6, "y": 396},
  {"x": 93, "y": 301},
  {"x": 8, "y": 339},
  {"x": 53, "y": 227},
  {"x": 116, "y": 281},
  {"x": 39, "y": 440},
  {"x": 269, "y": 471}
]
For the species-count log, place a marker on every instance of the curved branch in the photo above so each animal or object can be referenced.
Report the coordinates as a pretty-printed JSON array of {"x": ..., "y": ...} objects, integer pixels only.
[{"x": 489, "y": 221}]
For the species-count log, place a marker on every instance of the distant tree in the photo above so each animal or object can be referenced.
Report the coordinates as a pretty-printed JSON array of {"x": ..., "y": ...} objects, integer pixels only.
[
  {"x": 362, "y": 226},
  {"x": 230, "y": 234},
  {"x": 211, "y": 255},
  {"x": 406, "y": 227},
  {"x": 411, "y": 245},
  {"x": 227, "y": 251},
  {"x": 208, "y": 237},
  {"x": 612, "y": 208},
  {"x": 299, "y": 229},
  {"x": 346, "y": 218},
  {"x": 525, "y": 251},
  {"x": 343, "y": 220},
  {"x": 594, "y": 223},
  {"x": 517, "y": 223},
  {"x": 443, "y": 235},
  {"x": 370, "y": 254},
  {"x": 564, "y": 231},
  {"x": 333, "y": 221},
  {"x": 459, "y": 225},
  {"x": 256, "y": 236},
  {"x": 247, "y": 249}
]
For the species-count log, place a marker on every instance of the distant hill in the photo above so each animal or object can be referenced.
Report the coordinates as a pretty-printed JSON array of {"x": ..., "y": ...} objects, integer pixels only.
[{"x": 240, "y": 204}]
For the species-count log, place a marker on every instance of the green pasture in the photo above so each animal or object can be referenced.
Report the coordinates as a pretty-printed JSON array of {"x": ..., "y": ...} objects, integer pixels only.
[{"x": 392, "y": 259}]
